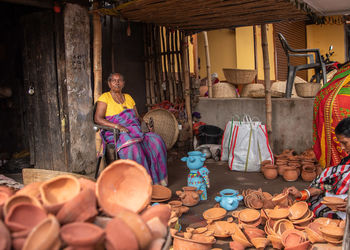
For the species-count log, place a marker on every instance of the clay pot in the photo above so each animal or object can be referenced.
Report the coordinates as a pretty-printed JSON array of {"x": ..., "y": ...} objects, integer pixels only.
[
  {"x": 280, "y": 169},
  {"x": 275, "y": 241},
  {"x": 190, "y": 196},
  {"x": 292, "y": 237},
  {"x": 87, "y": 184},
  {"x": 137, "y": 225},
  {"x": 81, "y": 234},
  {"x": 213, "y": 214},
  {"x": 176, "y": 206},
  {"x": 31, "y": 189},
  {"x": 57, "y": 191},
  {"x": 44, "y": 236},
  {"x": 270, "y": 172},
  {"x": 248, "y": 215},
  {"x": 19, "y": 198},
  {"x": 79, "y": 209},
  {"x": 119, "y": 236},
  {"x": 290, "y": 174},
  {"x": 308, "y": 173},
  {"x": 24, "y": 216},
  {"x": 5, "y": 237},
  {"x": 123, "y": 184},
  {"x": 298, "y": 210}
]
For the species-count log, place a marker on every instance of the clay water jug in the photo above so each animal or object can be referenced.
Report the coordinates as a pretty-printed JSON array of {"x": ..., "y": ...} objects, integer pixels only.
[
  {"x": 190, "y": 196},
  {"x": 290, "y": 174}
]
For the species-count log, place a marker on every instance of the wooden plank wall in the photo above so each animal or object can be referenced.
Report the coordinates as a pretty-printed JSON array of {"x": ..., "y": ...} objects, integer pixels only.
[{"x": 79, "y": 92}]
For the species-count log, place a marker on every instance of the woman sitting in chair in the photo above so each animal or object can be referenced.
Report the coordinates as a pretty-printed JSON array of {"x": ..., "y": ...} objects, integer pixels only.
[{"x": 117, "y": 110}]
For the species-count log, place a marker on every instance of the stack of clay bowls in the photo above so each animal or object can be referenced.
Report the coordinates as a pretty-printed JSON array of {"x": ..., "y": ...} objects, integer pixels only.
[
  {"x": 253, "y": 198},
  {"x": 160, "y": 193},
  {"x": 300, "y": 215},
  {"x": 314, "y": 233},
  {"x": 248, "y": 217},
  {"x": 294, "y": 239},
  {"x": 332, "y": 234},
  {"x": 333, "y": 202},
  {"x": 64, "y": 212}
]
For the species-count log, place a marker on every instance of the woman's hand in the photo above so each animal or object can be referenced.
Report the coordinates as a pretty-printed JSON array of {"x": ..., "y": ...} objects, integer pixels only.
[
  {"x": 294, "y": 192},
  {"x": 123, "y": 129}
]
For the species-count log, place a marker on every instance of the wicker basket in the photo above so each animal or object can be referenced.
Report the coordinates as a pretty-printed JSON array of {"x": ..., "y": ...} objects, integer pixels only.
[
  {"x": 251, "y": 87},
  {"x": 261, "y": 93},
  {"x": 240, "y": 76},
  {"x": 307, "y": 89},
  {"x": 224, "y": 89},
  {"x": 165, "y": 125}
]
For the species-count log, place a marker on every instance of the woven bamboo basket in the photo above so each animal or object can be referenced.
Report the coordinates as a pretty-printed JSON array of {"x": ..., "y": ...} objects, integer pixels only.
[
  {"x": 224, "y": 90},
  {"x": 165, "y": 125},
  {"x": 31, "y": 175},
  {"x": 251, "y": 87},
  {"x": 280, "y": 86},
  {"x": 261, "y": 93},
  {"x": 240, "y": 76},
  {"x": 307, "y": 89}
]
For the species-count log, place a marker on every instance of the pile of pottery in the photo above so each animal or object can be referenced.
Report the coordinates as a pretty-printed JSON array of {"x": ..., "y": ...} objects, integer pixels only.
[
  {"x": 64, "y": 212},
  {"x": 160, "y": 193},
  {"x": 290, "y": 166},
  {"x": 257, "y": 199}
]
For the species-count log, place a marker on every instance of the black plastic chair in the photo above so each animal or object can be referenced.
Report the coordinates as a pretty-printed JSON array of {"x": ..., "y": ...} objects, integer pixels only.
[{"x": 315, "y": 63}]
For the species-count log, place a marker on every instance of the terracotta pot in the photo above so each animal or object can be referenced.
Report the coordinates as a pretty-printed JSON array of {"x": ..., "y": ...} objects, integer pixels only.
[
  {"x": 24, "y": 216},
  {"x": 123, "y": 184},
  {"x": 57, "y": 191},
  {"x": 17, "y": 199},
  {"x": 87, "y": 184},
  {"x": 308, "y": 173},
  {"x": 31, "y": 189},
  {"x": 82, "y": 234},
  {"x": 138, "y": 226},
  {"x": 180, "y": 243},
  {"x": 280, "y": 169},
  {"x": 5, "y": 237},
  {"x": 44, "y": 236},
  {"x": 298, "y": 210},
  {"x": 270, "y": 172},
  {"x": 290, "y": 174},
  {"x": 120, "y": 236},
  {"x": 190, "y": 196},
  {"x": 281, "y": 199},
  {"x": 79, "y": 209}
]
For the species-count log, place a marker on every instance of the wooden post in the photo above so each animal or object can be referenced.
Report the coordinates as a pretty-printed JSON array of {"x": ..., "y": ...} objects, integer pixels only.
[
  {"x": 186, "y": 72},
  {"x": 267, "y": 78},
  {"x": 97, "y": 49},
  {"x": 145, "y": 44},
  {"x": 207, "y": 57},
  {"x": 195, "y": 56}
]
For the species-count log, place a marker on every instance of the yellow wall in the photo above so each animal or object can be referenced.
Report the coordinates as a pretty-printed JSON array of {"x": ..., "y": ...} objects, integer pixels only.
[
  {"x": 322, "y": 36},
  {"x": 222, "y": 52},
  {"x": 245, "y": 48}
]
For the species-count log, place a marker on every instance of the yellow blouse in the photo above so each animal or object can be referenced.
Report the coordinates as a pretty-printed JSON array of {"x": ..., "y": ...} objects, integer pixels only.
[{"x": 114, "y": 108}]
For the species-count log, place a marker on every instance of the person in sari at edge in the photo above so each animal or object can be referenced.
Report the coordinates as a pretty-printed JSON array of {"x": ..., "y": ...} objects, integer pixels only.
[
  {"x": 117, "y": 110},
  {"x": 331, "y": 105},
  {"x": 333, "y": 181}
]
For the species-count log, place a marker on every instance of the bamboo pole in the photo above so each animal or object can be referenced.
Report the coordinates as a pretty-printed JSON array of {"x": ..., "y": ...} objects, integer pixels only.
[
  {"x": 207, "y": 57},
  {"x": 167, "y": 94},
  {"x": 186, "y": 74},
  {"x": 195, "y": 57},
  {"x": 159, "y": 63},
  {"x": 157, "y": 84},
  {"x": 178, "y": 53},
  {"x": 267, "y": 78},
  {"x": 172, "y": 60},
  {"x": 171, "y": 85},
  {"x": 145, "y": 42},
  {"x": 151, "y": 66}
]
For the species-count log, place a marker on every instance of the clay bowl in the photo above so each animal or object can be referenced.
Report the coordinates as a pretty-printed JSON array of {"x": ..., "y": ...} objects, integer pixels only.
[
  {"x": 302, "y": 246},
  {"x": 298, "y": 210},
  {"x": 44, "y": 235},
  {"x": 281, "y": 226},
  {"x": 248, "y": 215},
  {"x": 334, "y": 232},
  {"x": 57, "y": 191},
  {"x": 326, "y": 221},
  {"x": 253, "y": 232},
  {"x": 277, "y": 214},
  {"x": 305, "y": 220},
  {"x": 5, "y": 237},
  {"x": 160, "y": 192},
  {"x": 260, "y": 243},
  {"x": 313, "y": 236},
  {"x": 19, "y": 198},
  {"x": 137, "y": 225},
  {"x": 81, "y": 234},
  {"x": 81, "y": 208},
  {"x": 182, "y": 243},
  {"x": 120, "y": 236},
  {"x": 31, "y": 189},
  {"x": 24, "y": 216},
  {"x": 280, "y": 197},
  {"x": 275, "y": 241},
  {"x": 215, "y": 213},
  {"x": 123, "y": 184},
  {"x": 292, "y": 237}
]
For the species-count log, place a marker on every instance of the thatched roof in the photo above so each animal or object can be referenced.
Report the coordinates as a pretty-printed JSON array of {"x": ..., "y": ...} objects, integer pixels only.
[{"x": 196, "y": 15}]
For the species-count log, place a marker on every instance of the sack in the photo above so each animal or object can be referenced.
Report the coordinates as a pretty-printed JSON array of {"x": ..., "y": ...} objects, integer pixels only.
[{"x": 245, "y": 145}]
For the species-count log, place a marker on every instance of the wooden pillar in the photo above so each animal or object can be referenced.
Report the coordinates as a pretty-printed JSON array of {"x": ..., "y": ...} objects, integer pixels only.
[
  {"x": 79, "y": 92},
  {"x": 207, "y": 57},
  {"x": 267, "y": 78},
  {"x": 195, "y": 56},
  {"x": 186, "y": 77}
]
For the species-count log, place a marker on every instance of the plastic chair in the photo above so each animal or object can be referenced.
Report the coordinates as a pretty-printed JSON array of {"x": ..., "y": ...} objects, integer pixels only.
[{"x": 315, "y": 63}]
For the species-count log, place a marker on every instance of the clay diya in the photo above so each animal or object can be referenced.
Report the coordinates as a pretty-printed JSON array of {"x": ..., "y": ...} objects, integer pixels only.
[
  {"x": 81, "y": 208},
  {"x": 160, "y": 193},
  {"x": 57, "y": 191},
  {"x": 292, "y": 237},
  {"x": 19, "y": 198},
  {"x": 298, "y": 210},
  {"x": 260, "y": 243},
  {"x": 24, "y": 216},
  {"x": 216, "y": 213},
  {"x": 182, "y": 243},
  {"x": 31, "y": 189},
  {"x": 120, "y": 236},
  {"x": 190, "y": 196},
  {"x": 137, "y": 225},
  {"x": 277, "y": 213},
  {"x": 44, "y": 236},
  {"x": 123, "y": 184}
]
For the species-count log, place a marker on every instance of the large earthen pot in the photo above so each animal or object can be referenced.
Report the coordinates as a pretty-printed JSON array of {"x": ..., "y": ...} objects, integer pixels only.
[
  {"x": 123, "y": 184},
  {"x": 270, "y": 172},
  {"x": 308, "y": 173},
  {"x": 290, "y": 174},
  {"x": 190, "y": 196}
]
